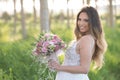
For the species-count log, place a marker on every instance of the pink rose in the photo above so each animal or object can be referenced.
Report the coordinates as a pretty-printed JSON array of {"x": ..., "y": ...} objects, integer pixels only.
[
  {"x": 44, "y": 49},
  {"x": 45, "y": 44},
  {"x": 39, "y": 44}
]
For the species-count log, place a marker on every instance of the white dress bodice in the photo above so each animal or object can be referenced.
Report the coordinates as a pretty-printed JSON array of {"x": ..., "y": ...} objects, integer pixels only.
[{"x": 72, "y": 58}]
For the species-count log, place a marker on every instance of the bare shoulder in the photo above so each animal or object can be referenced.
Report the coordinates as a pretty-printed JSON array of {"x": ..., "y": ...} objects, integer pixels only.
[
  {"x": 86, "y": 43},
  {"x": 87, "y": 39}
]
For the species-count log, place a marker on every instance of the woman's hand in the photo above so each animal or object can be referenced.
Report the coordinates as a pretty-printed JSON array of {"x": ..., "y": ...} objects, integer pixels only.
[{"x": 54, "y": 65}]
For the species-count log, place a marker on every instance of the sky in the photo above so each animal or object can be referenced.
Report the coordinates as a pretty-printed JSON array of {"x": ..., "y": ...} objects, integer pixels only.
[{"x": 57, "y": 6}]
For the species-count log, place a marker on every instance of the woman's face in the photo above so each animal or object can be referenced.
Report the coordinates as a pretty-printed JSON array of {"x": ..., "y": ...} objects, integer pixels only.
[{"x": 83, "y": 23}]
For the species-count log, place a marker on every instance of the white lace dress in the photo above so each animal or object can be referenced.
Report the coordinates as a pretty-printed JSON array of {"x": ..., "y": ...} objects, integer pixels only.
[{"x": 71, "y": 58}]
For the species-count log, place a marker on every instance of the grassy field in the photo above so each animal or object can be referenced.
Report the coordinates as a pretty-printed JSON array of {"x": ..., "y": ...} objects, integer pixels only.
[{"x": 17, "y": 63}]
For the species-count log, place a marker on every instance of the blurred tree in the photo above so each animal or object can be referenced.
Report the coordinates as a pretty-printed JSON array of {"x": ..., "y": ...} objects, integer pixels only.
[
  {"x": 61, "y": 16},
  {"x": 68, "y": 15},
  {"x": 34, "y": 9},
  {"x": 83, "y": 2},
  {"x": 24, "y": 33},
  {"x": 111, "y": 17},
  {"x": 88, "y": 2},
  {"x": 6, "y": 17},
  {"x": 44, "y": 16},
  {"x": 96, "y": 4},
  {"x": 51, "y": 14},
  {"x": 115, "y": 8},
  {"x": 15, "y": 17}
]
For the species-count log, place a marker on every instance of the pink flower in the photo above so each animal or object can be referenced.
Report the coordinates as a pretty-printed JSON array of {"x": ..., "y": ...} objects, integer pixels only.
[
  {"x": 44, "y": 49},
  {"x": 56, "y": 39},
  {"x": 47, "y": 44},
  {"x": 39, "y": 44},
  {"x": 36, "y": 51},
  {"x": 57, "y": 48},
  {"x": 47, "y": 35}
]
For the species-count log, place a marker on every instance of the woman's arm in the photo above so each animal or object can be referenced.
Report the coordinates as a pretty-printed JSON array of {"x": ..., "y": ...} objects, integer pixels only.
[{"x": 86, "y": 46}]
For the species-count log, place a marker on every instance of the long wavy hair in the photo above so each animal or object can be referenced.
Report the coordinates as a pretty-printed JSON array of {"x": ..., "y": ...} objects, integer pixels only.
[{"x": 97, "y": 32}]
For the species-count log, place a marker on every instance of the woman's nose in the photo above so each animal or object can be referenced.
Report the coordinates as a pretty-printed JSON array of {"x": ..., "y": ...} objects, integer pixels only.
[{"x": 81, "y": 22}]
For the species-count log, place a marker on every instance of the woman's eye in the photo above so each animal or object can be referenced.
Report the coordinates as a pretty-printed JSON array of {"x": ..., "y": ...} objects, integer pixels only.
[{"x": 86, "y": 20}]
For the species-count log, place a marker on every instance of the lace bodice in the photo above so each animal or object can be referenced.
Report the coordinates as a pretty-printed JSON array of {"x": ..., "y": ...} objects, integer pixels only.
[{"x": 71, "y": 57}]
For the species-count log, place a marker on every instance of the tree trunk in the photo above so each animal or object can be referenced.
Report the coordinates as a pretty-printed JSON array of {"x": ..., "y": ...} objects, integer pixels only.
[
  {"x": 14, "y": 32},
  {"x": 88, "y": 2},
  {"x": 68, "y": 16},
  {"x": 24, "y": 34},
  {"x": 83, "y": 2},
  {"x": 111, "y": 17},
  {"x": 34, "y": 9},
  {"x": 96, "y": 4},
  {"x": 44, "y": 16},
  {"x": 51, "y": 15}
]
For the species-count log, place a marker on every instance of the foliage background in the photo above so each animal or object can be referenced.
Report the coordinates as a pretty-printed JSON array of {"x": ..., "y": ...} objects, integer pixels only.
[{"x": 16, "y": 62}]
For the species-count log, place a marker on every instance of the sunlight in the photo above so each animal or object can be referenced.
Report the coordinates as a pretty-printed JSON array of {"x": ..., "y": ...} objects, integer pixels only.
[{"x": 57, "y": 6}]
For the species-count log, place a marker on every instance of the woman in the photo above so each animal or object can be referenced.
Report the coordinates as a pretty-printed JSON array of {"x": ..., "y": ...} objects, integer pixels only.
[{"x": 90, "y": 45}]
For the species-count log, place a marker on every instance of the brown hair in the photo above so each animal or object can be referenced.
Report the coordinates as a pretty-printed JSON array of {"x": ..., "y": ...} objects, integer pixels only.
[{"x": 96, "y": 31}]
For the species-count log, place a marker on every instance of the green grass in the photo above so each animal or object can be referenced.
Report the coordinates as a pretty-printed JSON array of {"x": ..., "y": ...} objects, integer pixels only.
[{"x": 17, "y": 57}]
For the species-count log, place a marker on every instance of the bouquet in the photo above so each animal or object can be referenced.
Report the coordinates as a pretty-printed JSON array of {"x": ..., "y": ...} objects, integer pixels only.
[{"x": 48, "y": 46}]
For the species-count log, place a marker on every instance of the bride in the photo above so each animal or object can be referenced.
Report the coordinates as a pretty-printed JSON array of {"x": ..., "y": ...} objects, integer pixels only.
[{"x": 90, "y": 45}]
